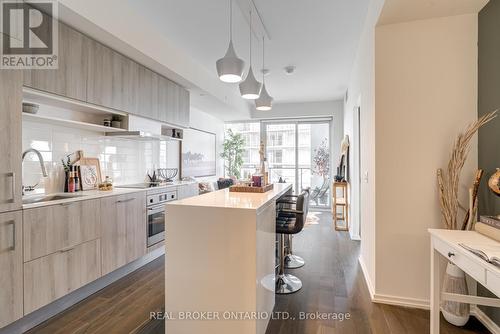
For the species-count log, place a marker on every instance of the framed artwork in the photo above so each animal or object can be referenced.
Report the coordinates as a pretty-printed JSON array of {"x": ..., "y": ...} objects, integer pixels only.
[
  {"x": 90, "y": 173},
  {"x": 198, "y": 154}
]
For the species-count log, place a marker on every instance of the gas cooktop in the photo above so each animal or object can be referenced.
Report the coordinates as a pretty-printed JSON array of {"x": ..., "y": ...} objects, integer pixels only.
[{"x": 144, "y": 185}]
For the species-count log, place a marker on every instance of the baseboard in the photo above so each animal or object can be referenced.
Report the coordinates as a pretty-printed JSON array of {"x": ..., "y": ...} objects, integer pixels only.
[
  {"x": 401, "y": 301},
  {"x": 484, "y": 319},
  {"x": 48, "y": 311},
  {"x": 419, "y": 303},
  {"x": 369, "y": 284}
]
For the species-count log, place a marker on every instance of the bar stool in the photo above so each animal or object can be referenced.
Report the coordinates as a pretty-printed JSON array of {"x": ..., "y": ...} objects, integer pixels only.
[
  {"x": 293, "y": 261},
  {"x": 288, "y": 222}
]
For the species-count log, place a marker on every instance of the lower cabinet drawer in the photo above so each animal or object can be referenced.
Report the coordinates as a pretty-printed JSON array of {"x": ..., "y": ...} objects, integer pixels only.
[
  {"x": 471, "y": 267},
  {"x": 53, "y": 276}
]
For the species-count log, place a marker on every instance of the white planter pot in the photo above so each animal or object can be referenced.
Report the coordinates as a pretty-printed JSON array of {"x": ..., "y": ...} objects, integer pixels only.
[{"x": 454, "y": 282}]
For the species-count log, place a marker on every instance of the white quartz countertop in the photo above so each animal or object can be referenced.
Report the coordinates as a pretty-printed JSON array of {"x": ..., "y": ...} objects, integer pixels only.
[
  {"x": 226, "y": 199},
  {"x": 93, "y": 194}
]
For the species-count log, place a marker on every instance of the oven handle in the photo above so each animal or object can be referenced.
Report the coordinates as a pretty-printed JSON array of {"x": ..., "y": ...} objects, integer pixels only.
[{"x": 156, "y": 209}]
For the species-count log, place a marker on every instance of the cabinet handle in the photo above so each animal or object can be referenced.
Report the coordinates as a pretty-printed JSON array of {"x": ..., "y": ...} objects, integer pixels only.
[
  {"x": 13, "y": 223},
  {"x": 65, "y": 250},
  {"x": 450, "y": 254},
  {"x": 125, "y": 200},
  {"x": 67, "y": 204},
  {"x": 12, "y": 175}
]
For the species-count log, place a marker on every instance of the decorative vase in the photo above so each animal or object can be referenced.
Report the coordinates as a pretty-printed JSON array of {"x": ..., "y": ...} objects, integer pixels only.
[{"x": 454, "y": 282}]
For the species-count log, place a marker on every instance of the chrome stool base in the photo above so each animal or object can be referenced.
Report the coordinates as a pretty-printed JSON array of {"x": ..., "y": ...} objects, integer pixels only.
[
  {"x": 286, "y": 284},
  {"x": 294, "y": 261}
]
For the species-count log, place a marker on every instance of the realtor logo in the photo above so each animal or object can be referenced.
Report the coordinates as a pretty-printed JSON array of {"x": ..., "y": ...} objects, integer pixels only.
[{"x": 29, "y": 34}]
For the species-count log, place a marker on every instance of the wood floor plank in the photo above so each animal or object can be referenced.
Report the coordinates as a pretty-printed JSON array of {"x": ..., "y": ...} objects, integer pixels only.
[{"x": 332, "y": 282}]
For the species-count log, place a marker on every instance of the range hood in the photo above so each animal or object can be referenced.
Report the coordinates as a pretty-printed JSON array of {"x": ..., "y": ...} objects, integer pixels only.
[{"x": 139, "y": 128}]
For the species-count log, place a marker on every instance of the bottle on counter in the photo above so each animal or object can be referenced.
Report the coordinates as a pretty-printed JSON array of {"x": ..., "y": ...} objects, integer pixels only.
[
  {"x": 76, "y": 179},
  {"x": 71, "y": 182}
]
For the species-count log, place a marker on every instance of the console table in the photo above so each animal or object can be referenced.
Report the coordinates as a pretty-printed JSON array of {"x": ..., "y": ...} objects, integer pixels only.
[
  {"x": 446, "y": 243},
  {"x": 342, "y": 202}
]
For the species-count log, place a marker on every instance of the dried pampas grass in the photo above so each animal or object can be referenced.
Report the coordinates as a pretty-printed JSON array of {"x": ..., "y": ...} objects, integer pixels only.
[{"x": 448, "y": 183}]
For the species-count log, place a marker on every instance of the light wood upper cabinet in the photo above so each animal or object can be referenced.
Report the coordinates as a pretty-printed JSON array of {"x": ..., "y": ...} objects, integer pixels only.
[
  {"x": 53, "y": 276},
  {"x": 10, "y": 139},
  {"x": 92, "y": 72},
  {"x": 70, "y": 79},
  {"x": 11, "y": 267},
  {"x": 113, "y": 80},
  {"x": 58, "y": 227},
  {"x": 163, "y": 98},
  {"x": 148, "y": 93},
  {"x": 184, "y": 107},
  {"x": 173, "y": 103},
  {"x": 123, "y": 227}
]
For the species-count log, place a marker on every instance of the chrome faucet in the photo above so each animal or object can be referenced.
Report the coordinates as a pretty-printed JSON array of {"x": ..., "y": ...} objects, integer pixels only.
[{"x": 42, "y": 166}]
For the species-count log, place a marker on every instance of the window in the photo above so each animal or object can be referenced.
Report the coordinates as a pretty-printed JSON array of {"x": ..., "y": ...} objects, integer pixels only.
[{"x": 251, "y": 135}]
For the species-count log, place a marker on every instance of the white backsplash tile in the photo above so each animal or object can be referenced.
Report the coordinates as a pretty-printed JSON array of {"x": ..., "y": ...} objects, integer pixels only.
[{"x": 126, "y": 161}]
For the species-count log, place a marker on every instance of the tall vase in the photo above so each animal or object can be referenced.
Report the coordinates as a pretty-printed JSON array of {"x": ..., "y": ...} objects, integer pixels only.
[{"x": 454, "y": 282}]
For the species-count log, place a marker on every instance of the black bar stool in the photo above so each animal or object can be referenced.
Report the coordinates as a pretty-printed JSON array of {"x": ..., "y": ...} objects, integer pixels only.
[
  {"x": 293, "y": 261},
  {"x": 288, "y": 222}
]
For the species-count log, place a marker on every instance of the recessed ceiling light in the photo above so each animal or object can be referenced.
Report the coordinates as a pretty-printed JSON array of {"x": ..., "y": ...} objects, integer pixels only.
[{"x": 289, "y": 70}]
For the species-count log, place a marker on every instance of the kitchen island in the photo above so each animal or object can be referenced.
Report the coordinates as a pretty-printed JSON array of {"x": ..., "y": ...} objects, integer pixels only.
[{"x": 220, "y": 251}]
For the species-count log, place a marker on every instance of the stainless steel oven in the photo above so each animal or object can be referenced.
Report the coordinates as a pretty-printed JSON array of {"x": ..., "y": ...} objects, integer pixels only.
[{"x": 156, "y": 214}]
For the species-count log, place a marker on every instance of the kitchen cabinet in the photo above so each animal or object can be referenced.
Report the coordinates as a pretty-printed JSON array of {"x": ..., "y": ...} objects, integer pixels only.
[
  {"x": 173, "y": 103},
  {"x": 70, "y": 79},
  {"x": 163, "y": 95},
  {"x": 10, "y": 139},
  {"x": 113, "y": 80},
  {"x": 188, "y": 190},
  {"x": 123, "y": 230},
  {"x": 148, "y": 93},
  {"x": 53, "y": 276},
  {"x": 11, "y": 264},
  {"x": 49, "y": 229},
  {"x": 184, "y": 107}
]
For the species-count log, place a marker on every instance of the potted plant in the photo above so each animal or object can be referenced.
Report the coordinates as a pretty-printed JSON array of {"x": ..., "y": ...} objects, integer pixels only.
[
  {"x": 454, "y": 281},
  {"x": 233, "y": 154}
]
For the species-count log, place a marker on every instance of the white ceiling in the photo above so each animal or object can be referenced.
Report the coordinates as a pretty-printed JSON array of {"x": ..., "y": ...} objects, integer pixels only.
[
  {"x": 319, "y": 37},
  {"x": 396, "y": 11}
]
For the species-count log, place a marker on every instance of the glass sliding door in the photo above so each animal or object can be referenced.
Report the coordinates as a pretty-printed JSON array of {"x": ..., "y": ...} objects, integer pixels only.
[
  {"x": 299, "y": 153},
  {"x": 314, "y": 161},
  {"x": 281, "y": 152}
]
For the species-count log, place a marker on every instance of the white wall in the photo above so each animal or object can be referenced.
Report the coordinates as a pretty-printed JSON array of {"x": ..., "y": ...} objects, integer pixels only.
[
  {"x": 362, "y": 90},
  {"x": 426, "y": 91}
]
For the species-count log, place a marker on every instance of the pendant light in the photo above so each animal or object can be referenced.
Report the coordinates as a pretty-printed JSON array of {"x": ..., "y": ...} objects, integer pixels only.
[
  {"x": 230, "y": 68},
  {"x": 265, "y": 101},
  {"x": 250, "y": 88}
]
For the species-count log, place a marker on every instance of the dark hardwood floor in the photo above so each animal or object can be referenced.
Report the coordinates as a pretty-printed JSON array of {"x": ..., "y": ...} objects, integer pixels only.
[{"x": 332, "y": 282}]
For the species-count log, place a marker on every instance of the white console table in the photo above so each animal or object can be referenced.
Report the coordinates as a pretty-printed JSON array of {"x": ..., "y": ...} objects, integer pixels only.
[{"x": 446, "y": 243}]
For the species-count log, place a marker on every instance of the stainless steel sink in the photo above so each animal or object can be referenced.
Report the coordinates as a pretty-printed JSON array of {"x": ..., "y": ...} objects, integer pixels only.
[{"x": 47, "y": 198}]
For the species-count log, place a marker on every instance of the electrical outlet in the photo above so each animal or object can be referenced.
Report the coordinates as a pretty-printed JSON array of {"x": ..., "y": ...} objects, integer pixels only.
[{"x": 365, "y": 176}]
